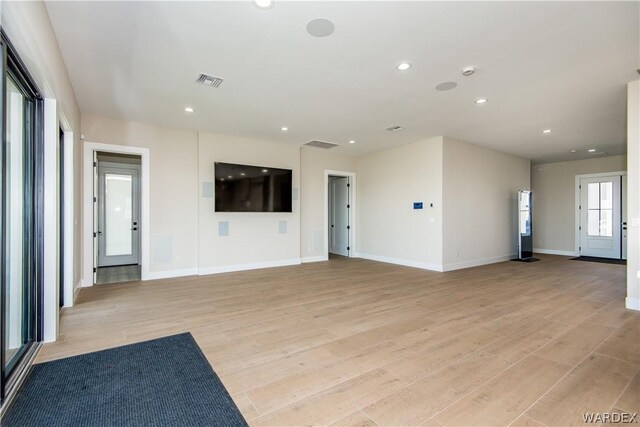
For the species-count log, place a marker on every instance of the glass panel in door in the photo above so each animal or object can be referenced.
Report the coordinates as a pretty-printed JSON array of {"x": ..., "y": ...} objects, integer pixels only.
[
  {"x": 16, "y": 290},
  {"x": 118, "y": 214}
]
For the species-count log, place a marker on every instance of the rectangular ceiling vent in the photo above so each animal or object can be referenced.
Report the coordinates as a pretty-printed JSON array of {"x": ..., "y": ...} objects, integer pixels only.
[
  {"x": 394, "y": 128},
  {"x": 208, "y": 80},
  {"x": 321, "y": 144}
]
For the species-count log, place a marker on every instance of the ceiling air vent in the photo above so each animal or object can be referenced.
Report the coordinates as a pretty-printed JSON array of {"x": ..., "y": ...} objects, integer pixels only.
[
  {"x": 394, "y": 128},
  {"x": 321, "y": 144},
  {"x": 208, "y": 80}
]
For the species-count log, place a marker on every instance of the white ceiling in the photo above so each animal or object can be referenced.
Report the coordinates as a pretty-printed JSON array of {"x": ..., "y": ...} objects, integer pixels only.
[{"x": 559, "y": 65}]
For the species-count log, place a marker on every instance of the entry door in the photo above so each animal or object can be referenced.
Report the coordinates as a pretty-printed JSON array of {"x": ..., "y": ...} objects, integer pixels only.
[
  {"x": 118, "y": 205},
  {"x": 339, "y": 215},
  {"x": 600, "y": 209}
]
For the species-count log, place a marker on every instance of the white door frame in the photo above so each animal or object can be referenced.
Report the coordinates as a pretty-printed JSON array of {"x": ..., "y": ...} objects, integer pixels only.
[
  {"x": 577, "y": 203},
  {"x": 352, "y": 211},
  {"x": 69, "y": 204},
  {"x": 88, "y": 205}
]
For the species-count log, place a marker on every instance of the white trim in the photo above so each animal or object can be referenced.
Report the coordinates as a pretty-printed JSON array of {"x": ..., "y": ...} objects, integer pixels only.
[
  {"x": 478, "y": 262},
  {"x": 251, "y": 266},
  {"x": 404, "y": 262},
  {"x": 50, "y": 238},
  {"x": 314, "y": 258},
  {"x": 352, "y": 211},
  {"x": 76, "y": 290},
  {"x": 167, "y": 274},
  {"x": 577, "y": 202},
  {"x": 69, "y": 204},
  {"x": 554, "y": 252},
  {"x": 87, "y": 232},
  {"x": 632, "y": 303},
  {"x": 598, "y": 175}
]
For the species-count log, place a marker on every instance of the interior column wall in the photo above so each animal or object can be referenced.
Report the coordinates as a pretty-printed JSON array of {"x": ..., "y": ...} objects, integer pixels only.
[
  {"x": 480, "y": 193},
  {"x": 633, "y": 195}
]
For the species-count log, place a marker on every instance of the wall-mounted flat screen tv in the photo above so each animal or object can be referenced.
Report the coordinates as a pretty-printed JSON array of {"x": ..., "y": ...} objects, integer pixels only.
[{"x": 245, "y": 188}]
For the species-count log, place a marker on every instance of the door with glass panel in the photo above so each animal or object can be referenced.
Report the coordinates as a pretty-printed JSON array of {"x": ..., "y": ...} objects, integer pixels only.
[
  {"x": 118, "y": 205},
  {"x": 21, "y": 217},
  {"x": 600, "y": 209}
]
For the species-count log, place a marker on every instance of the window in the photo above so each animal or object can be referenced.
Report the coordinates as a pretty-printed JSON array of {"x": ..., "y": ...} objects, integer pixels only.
[
  {"x": 21, "y": 215},
  {"x": 600, "y": 209}
]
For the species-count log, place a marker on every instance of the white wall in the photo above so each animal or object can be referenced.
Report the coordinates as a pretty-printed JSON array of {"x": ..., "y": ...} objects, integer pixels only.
[
  {"x": 633, "y": 197},
  {"x": 28, "y": 27},
  {"x": 389, "y": 181},
  {"x": 173, "y": 189},
  {"x": 554, "y": 210},
  {"x": 254, "y": 239},
  {"x": 313, "y": 163},
  {"x": 183, "y": 225},
  {"x": 480, "y": 189}
]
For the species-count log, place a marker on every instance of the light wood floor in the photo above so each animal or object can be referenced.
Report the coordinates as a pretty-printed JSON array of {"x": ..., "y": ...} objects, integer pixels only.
[{"x": 355, "y": 342}]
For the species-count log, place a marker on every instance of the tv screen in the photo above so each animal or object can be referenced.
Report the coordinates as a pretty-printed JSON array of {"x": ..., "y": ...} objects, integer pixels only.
[{"x": 244, "y": 188}]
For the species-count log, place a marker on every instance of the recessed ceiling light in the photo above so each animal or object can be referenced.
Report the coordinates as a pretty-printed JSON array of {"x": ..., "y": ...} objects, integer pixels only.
[
  {"x": 403, "y": 66},
  {"x": 265, "y": 170},
  {"x": 189, "y": 109},
  {"x": 242, "y": 174},
  {"x": 353, "y": 141},
  {"x": 221, "y": 179},
  {"x": 547, "y": 131},
  {"x": 284, "y": 128},
  {"x": 592, "y": 150},
  {"x": 263, "y": 4},
  {"x": 482, "y": 101},
  {"x": 230, "y": 177},
  {"x": 573, "y": 151}
]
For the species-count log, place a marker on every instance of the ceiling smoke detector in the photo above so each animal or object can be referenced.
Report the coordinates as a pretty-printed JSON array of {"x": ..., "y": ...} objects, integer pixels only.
[
  {"x": 394, "y": 128},
  {"x": 207, "y": 80},
  {"x": 468, "y": 71}
]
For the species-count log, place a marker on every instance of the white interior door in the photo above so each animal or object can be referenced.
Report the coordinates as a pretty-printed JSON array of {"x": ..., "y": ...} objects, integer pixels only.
[
  {"x": 118, "y": 215},
  {"x": 623, "y": 198},
  {"x": 600, "y": 210},
  {"x": 339, "y": 215}
]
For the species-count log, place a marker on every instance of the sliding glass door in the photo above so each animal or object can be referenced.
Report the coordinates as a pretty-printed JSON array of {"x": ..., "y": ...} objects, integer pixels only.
[{"x": 21, "y": 216}]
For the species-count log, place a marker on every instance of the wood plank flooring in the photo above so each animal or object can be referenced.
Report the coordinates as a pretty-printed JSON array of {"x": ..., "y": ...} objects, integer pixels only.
[{"x": 356, "y": 342}]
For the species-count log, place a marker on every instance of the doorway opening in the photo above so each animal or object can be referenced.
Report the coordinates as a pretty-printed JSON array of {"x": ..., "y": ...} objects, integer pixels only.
[
  {"x": 90, "y": 204},
  {"x": 117, "y": 208},
  {"x": 340, "y": 214},
  {"x": 601, "y": 215}
]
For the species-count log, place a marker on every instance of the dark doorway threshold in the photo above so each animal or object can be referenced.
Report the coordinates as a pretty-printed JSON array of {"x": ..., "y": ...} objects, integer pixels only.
[{"x": 601, "y": 260}]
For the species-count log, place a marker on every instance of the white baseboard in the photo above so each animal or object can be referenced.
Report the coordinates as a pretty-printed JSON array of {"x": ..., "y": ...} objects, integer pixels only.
[
  {"x": 554, "y": 252},
  {"x": 405, "y": 262},
  {"x": 477, "y": 262},
  {"x": 76, "y": 291},
  {"x": 632, "y": 303},
  {"x": 167, "y": 274},
  {"x": 251, "y": 266},
  {"x": 314, "y": 258}
]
